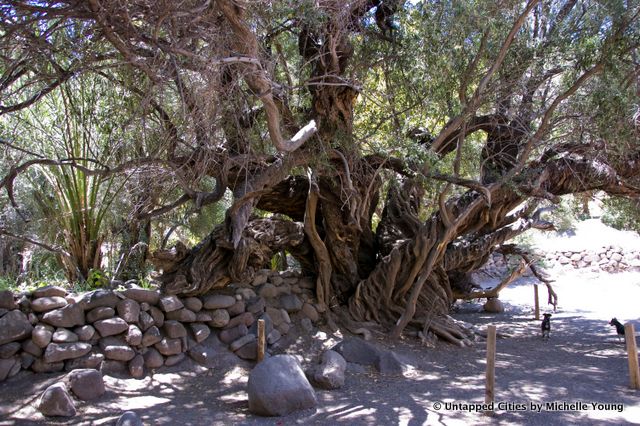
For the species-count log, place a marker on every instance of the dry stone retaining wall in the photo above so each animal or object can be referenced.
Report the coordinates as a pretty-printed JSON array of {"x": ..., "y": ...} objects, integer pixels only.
[{"x": 138, "y": 329}]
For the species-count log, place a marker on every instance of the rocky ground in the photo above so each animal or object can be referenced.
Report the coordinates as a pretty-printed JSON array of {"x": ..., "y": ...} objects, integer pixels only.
[{"x": 583, "y": 363}]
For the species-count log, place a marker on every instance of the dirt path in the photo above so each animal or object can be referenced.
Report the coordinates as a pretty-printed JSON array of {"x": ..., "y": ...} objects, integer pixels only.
[{"x": 582, "y": 362}]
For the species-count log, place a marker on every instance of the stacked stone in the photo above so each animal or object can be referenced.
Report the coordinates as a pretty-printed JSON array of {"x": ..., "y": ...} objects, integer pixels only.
[
  {"x": 138, "y": 329},
  {"x": 609, "y": 258}
]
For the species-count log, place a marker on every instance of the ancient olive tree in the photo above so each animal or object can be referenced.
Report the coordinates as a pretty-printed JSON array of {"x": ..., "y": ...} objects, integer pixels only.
[{"x": 389, "y": 147}]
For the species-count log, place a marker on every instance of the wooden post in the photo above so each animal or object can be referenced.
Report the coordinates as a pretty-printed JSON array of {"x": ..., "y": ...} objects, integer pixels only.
[
  {"x": 632, "y": 354},
  {"x": 536, "y": 301},
  {"x": 261, "y": 340},
  {"x": 489, "y": 393}
]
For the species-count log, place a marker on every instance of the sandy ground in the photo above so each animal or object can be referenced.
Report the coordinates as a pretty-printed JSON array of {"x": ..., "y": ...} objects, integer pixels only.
[{"x": 583, "y": 364}]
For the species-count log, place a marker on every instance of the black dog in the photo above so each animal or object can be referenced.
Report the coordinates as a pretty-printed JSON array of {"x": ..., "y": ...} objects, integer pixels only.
[
  {"x": 619, "y": 327},
  {"x": 546, "y": 326}
]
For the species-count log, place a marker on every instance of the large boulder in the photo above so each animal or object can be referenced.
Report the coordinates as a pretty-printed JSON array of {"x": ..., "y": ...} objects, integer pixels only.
[
  {"x": 86, "y": 384},
  {"x": 44, "y": 304},
  {"x": 7, "y": 300},
  {"x": 277, "y": 386},
  {"x": 14, "y": 326},
  {"x": 49, "y": 291},
  {"x": 57, "y": 352},
  {"x": 330, "y": 373},
  {"x": 111, "y": 326},
  {"x": 98, "y": 298},
  {"x": 55, "y": 401},
  {"x": 494, "y": 306},
  {"x": 128, "y": 310},
  {"x": 68, "y": 316},
  {"x": 358, "y": 351},
  {"x": 142, "y": 295},
  {"x": 9, "y": 367}
]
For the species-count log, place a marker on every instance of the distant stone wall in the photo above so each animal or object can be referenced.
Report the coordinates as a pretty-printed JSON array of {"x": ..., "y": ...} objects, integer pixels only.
[
  {"x": 136, "y": 329},
  {"x": 608, "y": 259}
]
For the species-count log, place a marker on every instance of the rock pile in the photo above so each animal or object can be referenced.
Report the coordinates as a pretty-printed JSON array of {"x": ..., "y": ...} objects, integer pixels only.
[{"x": 137, "y": 329}]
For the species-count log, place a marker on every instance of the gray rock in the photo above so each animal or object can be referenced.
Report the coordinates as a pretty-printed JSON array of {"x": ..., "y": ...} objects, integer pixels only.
[
  {"x": 259, "y": 279},
  {"x": 268, "y": 291},
  {"x": 275, "y": 315},
  {"x": 290, "y": 303},
  {"x": 68, "y": 316},
  {"x": 136, "y": 367},
  {"x": 41, "y": 366},
  {"x": 10, "y": 349},
  {"x": 145, "y": 320},
  {"x": 112, "y": 341},
  {"x": 153, "y": 358},
  {"x": 218, "y": 301},
  {"x": 277, "y": 386},
  {"x": 168, "y": 347},
  {"x": 220, "y": 318},
  {"x": 245, "y": 293},
  {"x": 151, "y": 336},
  {"x": 330, "y": 372},
  {"x": 100, "y": 313},
  {"x": 129, "y": 418},
  {"x": 55, "y": 401},
  {"x": 87, "y": 384},
  {"x": 90, "y": 360},
  {"x": 256, "y": 306},
  {"x": 357, "y": 350},
  {"x": 493, "y": 305},
  {"x": 85, "y": 333},
  {"x": 142, "y": 295},
  {"x": 310, "y": 312},
  {"x": 157, "y": 315},
  {"x": 182, "y": 315},
  {"x": 193, "y": 304},
  {"x": 134, "y": 335},
  {"x": 49, "y": 291},
  {"x": 42, "y": 335},
  {"x": 112, "y": 367},
  {"x": 174, "y": 329},
  {"x": 45, "y": 304},
  {"x": 97, "y": 298},
  {"x": 238, "y": 343},
  {"x": 111, "y": 326},
  {"x": 128, "y": 310},
  {"x": 31, "y": 348},
  {"x": 229, "y": 335},
  {"x": 26, "y": 360},
  {"x": 119, "y": 353},
  {"x": 174, "y": 359},
  {"x": 14, "y": 326},
  {"x": 248, "y": 351},
  {"x": 306, "y": 325},
  {"x": 237, "y": 308},
  {"x": 57, "y": 352},
  {"x": 7, "y": 300},
  {"x": 389, "y": 364},
  {"x": 274, "y": 336},
  {"x": 170, "y": 303},
  {"x": 62, "y": 335},
  {"x": 9, "y": 367},
  {"x": 200, "y": 332},
  {"x": 268, "y": 325},
  {"x": 246, "y": 318},
  {"x": 204, "y": 316}
]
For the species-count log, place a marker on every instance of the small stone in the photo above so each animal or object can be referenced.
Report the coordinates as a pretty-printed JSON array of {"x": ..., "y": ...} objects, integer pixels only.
[
  {"x": 238, "y": 343},
  {"x": 220, "y": 318},
  {"x": 142, "y": 295},
  {"x": 170, "y": 303},
  {"x": 290, "y": 303},
  {"x": 218, "y": 301},
  {"x": 87, "y": 384},
  {"x": 183, "y": 315},
  {"x": 90, "y": 360},
  {"x": 151, "y": 336},
  {"x": 85, "y": 333},
  {"x": 62, "y": 335},
  {"x": 203, "y": 316},
  {"x": 136, "y": 367},
  {"x": 31, "y": 348},
  {"x": 7, "y": 300},
  {"x": 134, "y": 335},
  {"x": 229, "y": 335},
  {"x": 14, "y": 326},
  {"x": 100, "y": 313},
  {"x": 49, "y": 291},
  {"x": 310, "y": 312},
  {"x": 10, "y": 349},
  {"x": 145, "y": 320},
  {"x": 41, "y": 366},
  {"x": 97, "y": 298},
  {"x": 111, "y": 326},
  {"x": 153, "y": 358},
  {"x": 256, "y": 306},
  {"x": 259, "y": 279},
  {"x": 274, "y": 336},
  {"x": 119, "y": 353},
  {"x": 128, "y": 310},
  {"x": 248, "y": 351},
  {"x": 237, "y": 308},
  {"x": 245, "y": 318},
  {"x": 57, "y": 352},
  {"x": 174, "y": 359},
  {"x": 268, "y": 291},
  {"x": 169, "y": 347},
  {"x": 157, "y": 315},
  {"x": 56, "y": 402},
  {"x": 245, "y": 293},
  {"x": 174, "y": 329},
  {"x": 70, "y": 315},
  {"x": 200, "y": 332},
  {"x": 193, "y": 304},
  {"x": 129, "y": 418}
]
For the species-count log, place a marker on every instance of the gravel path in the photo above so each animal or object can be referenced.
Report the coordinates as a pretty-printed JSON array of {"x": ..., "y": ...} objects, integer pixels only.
[{"x": 582, "y": 362}]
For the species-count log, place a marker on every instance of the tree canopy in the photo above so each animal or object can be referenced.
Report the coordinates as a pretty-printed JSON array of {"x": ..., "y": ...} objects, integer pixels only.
[{"x": 388, "y": 146}]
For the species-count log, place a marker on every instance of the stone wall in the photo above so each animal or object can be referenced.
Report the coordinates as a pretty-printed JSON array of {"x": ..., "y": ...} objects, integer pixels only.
[
  {"x": 134, "y": 329},
  {"x": 608, "y": 259}
]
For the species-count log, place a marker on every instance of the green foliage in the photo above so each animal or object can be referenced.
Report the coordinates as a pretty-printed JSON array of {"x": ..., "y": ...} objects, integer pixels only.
[{"x": 622, "y": 213}]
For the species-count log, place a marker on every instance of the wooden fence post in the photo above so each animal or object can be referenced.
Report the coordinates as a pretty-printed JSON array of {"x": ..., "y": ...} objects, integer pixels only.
[
  {"x": 536, "y": 301},
  {"x": 632, "y": 354},
  {"x": 489, "y": 393},
  {"x": 261, "y": 340}
]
